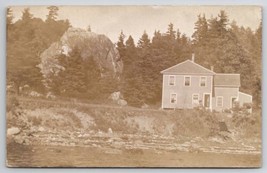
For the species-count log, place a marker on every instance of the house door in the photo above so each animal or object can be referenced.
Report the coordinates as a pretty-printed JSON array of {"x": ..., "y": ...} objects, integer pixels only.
[
  {"x": 207, "y": 100},
  {"x": 233, "y": 102}
]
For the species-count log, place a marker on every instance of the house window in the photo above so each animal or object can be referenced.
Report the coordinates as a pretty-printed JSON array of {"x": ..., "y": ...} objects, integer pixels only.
[
  {"x": 219, "y": 101},
  {"x": 203, "y": 81},
  {"x": 173, "y": 98},
  {"x": 171, "y": 80},
  {"x": 195, "y": 99},
  {"x": 187, "y": 81}
]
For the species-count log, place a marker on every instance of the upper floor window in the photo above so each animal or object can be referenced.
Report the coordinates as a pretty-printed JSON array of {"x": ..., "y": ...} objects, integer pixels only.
[
  {"x": 203, "y": 81},
  {"x": 171, "y": 80},
  {"x": 187, "y": 81}
]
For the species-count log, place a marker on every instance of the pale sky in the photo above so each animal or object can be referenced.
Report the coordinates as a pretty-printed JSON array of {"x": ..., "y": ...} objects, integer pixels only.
[{"x": 133, "y": 20}]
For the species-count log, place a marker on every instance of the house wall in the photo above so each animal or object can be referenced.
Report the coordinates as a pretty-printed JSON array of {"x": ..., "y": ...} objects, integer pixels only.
[
  {"x": 227, "y": 93},
  {"x": 244, "y": 98},
  {"x": 184, "y": 93}
]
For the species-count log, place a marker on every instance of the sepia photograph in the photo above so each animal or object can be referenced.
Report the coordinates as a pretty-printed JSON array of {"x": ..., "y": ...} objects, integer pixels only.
[{"x": 134, "y": 86}]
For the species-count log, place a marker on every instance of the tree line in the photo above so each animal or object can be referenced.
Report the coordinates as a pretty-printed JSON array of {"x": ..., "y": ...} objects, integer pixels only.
[
  {"x": 27, "y": 38},
  {"x": 216, "y": 42}
]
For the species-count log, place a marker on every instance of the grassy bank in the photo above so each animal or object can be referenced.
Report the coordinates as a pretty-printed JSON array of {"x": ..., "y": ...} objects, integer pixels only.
[{"x": 130, "y": 133}]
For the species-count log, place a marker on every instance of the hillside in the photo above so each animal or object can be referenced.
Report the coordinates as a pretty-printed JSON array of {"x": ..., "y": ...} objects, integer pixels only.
[{"x": 45, "y": 122}]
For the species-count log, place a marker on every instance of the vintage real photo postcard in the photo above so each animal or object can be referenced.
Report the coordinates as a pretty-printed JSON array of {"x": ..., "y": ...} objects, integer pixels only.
[{"x": 133, "y": 86}]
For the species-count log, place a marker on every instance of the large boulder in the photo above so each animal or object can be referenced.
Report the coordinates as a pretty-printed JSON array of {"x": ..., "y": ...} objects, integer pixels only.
[
  {"x": 122, "y": 102},
  {"x": 91, "y": 45},
  {"x": 13, "y": 131},
  {"x": 115, "y": 96}
]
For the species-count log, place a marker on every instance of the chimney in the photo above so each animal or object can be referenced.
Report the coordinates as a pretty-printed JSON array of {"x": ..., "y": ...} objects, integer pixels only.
[
  {"x": 212, "y": 68},
  {"x": 193, "y": 57}
]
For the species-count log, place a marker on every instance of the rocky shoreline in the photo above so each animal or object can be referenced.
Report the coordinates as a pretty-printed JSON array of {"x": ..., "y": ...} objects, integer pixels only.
[{"x": 110, "y": 140}]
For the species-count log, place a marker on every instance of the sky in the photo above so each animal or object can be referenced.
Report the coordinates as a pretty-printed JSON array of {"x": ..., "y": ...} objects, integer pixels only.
[{"x": 134, "y": 20}]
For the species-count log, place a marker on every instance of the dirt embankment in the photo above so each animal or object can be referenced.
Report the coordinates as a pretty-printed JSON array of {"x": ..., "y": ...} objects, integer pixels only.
[{"x": 44, "y": 122}]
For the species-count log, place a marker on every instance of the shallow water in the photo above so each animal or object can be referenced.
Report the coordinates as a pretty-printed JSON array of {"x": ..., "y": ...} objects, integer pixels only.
[{"x": 58, "y": 156}]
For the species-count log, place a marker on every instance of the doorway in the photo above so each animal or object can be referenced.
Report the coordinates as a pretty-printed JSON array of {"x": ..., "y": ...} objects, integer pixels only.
[{"x": 206, "y": 98}]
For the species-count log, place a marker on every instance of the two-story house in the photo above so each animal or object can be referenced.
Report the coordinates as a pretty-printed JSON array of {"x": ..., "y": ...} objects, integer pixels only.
[{"x": 188, "y": 85}]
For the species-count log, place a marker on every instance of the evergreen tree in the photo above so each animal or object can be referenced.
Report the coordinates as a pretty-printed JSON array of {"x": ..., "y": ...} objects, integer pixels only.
[
  {"x": 89, "y": 28},
  {"x": 144, "y": 41},
  {"x": 121, "y": 45},
  {"x": 130, "y": 42},
  {"x": 157, "y": 40},
  {"x": 171, "y": 32},
  {"x": 9, "y": 17},
  {"x": 26, "y": 15},
  {"x": 201, "y": 27},
  {"x": 223, "y": 22},
  {"x": 80, "y": 78},
  {"x": 52, "y": 14},
  {"x": 27, "y": 38}
]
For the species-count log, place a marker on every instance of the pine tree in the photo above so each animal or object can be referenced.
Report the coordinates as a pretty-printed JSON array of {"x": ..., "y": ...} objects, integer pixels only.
[
  {"x": 9, "y": 17},
  {"x": 144, "y": 41},
  {"x": 223, "y": 22},
  {"x": 26, "y": 15},
  {"x": 130, "y": 42},
  {"x": 171, "y": 32},
  {"x": 80, "y": 78},
  {"x": 52, "y": 14},
  {"x": 27, "y": 38},
  {"x": 201, "y": 27},
  {"x": 89, "y": 28},
  {"x": 130, "y": 53},
  {"x": 157, "y": 40},
  {"x": 121, "y": 45},
  {"x": 201, "y": 40}
]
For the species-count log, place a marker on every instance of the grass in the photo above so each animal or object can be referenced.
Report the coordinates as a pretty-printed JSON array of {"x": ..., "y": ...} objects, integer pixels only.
[
  {"x": 66, "y": 115},
  {"x": 63, "y": 119}
]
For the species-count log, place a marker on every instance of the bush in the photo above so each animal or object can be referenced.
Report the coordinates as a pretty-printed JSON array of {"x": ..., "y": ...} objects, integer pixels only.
[
  {"x": 12, "y": 103},
  {"x": 116, "y": 120},
  {"x": 195, "y": 123},
  {"x": 36, "y": 121},
  {"x": 249, "y": 125}
]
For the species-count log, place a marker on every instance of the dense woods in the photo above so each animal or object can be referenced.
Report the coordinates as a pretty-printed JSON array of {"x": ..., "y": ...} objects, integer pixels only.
[
  {"x": 216, "y": 41},
  {"x": 27, "y": 38}
]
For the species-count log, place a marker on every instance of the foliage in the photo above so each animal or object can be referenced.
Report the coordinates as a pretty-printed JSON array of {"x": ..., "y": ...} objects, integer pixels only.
[
  {"x": 12, "y": 103},
  {"x": 215, "y": 42},
  {"x": 146, "y": 60},
  {"x": 249, "y": 125},
  {"x": 26, "y": 39},
  {"x": 81, "y": 78},
  {"x": 230, "y": 49},
  {"x": 202, "y": 123}
]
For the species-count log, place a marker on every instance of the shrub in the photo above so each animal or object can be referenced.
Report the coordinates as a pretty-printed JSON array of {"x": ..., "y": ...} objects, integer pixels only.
[
  {"x": 36, "y": 121},
  {"x": 194, "y": 123},
  {"x": 12, "y": 103},
  {"x": 249, "y": 125}
]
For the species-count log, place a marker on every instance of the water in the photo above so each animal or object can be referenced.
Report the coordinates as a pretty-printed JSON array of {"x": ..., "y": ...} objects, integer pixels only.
[{"x": 74, "y": 156}]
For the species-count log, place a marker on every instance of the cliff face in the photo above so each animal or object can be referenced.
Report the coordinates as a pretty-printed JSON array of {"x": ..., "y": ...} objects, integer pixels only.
[{"x": 91, "y": 45}]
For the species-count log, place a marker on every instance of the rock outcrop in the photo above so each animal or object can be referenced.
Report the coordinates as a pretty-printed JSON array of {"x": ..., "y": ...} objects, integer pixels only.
[{"x": 91, "y": 45}]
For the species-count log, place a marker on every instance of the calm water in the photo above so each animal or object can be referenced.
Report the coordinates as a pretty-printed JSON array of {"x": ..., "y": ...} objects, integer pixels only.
[
  {"x": 58, "y": 156},
  {"x": 55, "y": 156}
]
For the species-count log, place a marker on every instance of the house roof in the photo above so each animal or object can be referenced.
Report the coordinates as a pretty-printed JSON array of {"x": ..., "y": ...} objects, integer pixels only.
[
  {"x": 224, "y": 79},
  {"x": 188, "y": 67}
]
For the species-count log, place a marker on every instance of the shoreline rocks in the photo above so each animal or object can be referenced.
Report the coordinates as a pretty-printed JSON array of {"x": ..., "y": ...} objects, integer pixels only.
[{"x": 13, "y": 131}]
